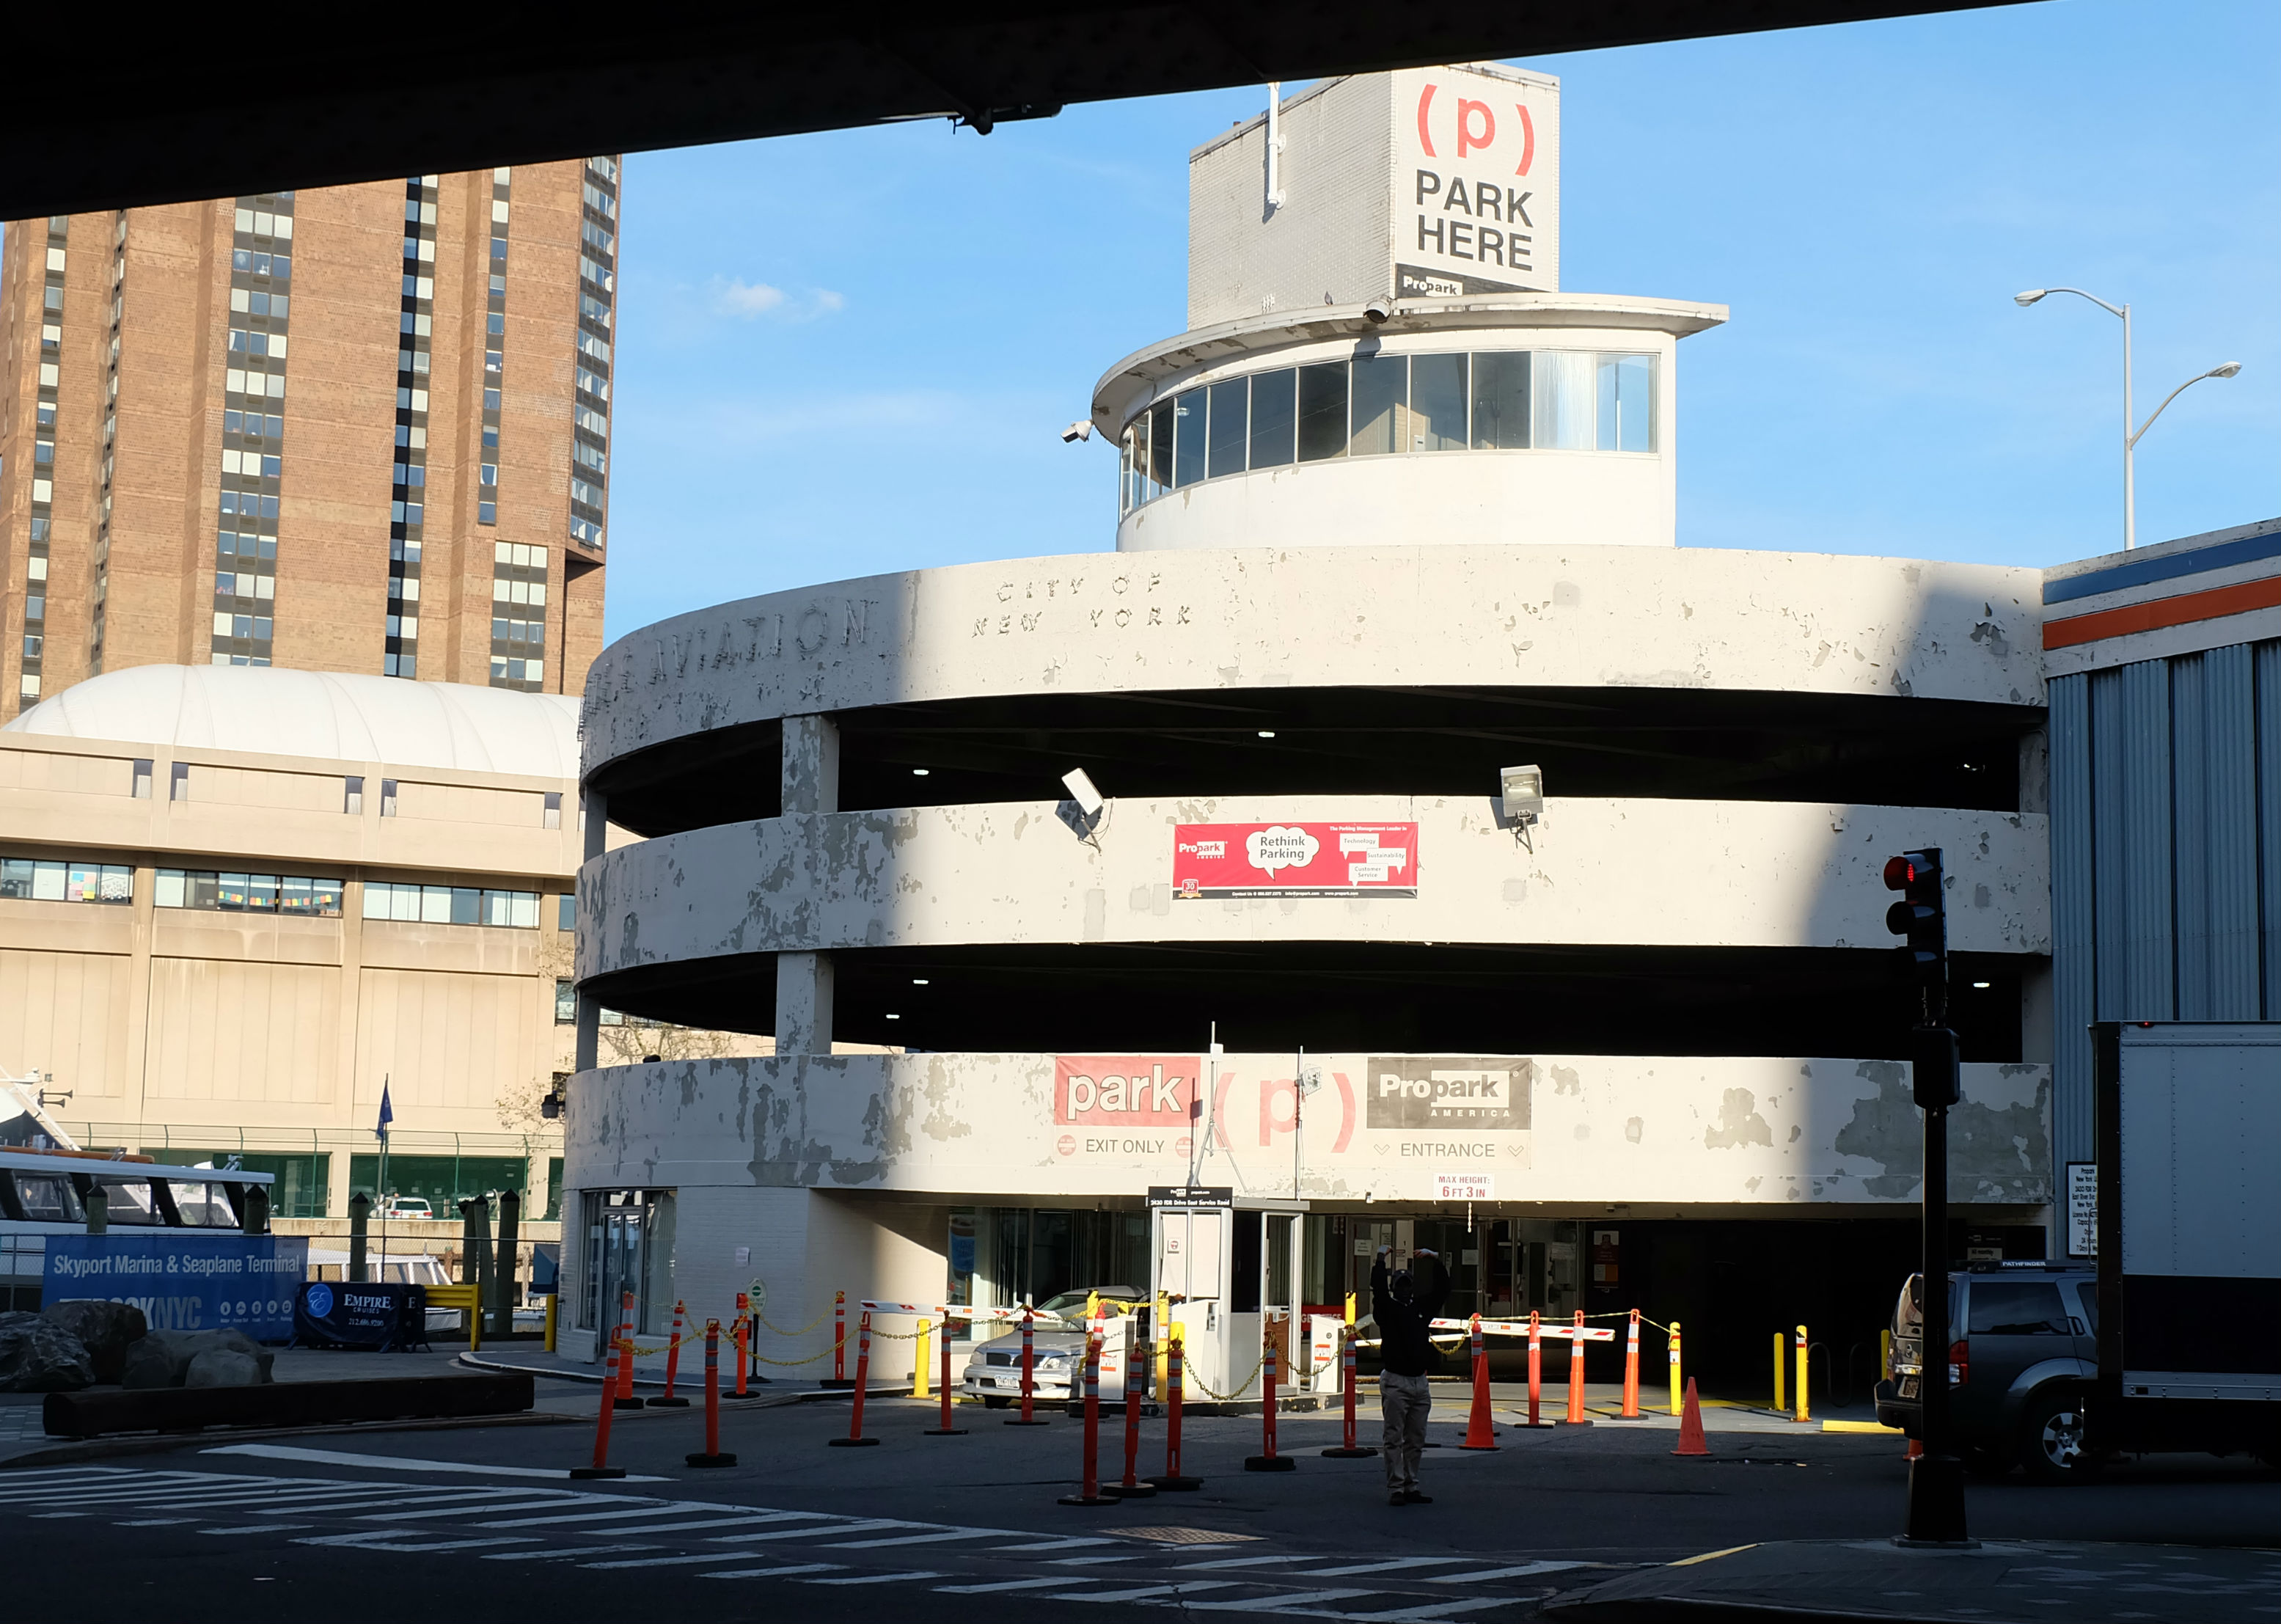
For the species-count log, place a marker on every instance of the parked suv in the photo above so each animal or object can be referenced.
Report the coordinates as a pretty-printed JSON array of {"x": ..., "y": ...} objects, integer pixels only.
[{"x": 2022, "y": 1361}]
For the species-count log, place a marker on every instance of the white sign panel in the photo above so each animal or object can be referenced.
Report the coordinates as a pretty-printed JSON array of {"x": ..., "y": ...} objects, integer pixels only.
[
  {"x": 2083, "y": 1209},
  {"x": 1476, "y": 203},
  {"x": 1464, "y": 1187}
]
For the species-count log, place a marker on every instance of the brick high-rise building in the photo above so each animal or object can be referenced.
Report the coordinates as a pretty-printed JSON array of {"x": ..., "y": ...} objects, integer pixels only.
[{"x": 359, "y": 428}]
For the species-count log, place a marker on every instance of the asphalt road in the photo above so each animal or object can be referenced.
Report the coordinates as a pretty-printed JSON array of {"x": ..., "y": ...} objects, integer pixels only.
[{"x": 318, "y": 1523}]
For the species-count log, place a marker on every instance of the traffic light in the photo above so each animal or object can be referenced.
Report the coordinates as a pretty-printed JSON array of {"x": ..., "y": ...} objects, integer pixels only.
[{"x": 1922, "y": 918}]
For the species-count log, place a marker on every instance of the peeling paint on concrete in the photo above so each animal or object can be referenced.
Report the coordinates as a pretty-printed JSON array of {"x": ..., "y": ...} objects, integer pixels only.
[{"x": 1739, "y": 1123}]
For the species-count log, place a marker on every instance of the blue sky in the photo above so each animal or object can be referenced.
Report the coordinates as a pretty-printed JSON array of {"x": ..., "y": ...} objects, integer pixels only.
[{"x": 851, "y": 352}]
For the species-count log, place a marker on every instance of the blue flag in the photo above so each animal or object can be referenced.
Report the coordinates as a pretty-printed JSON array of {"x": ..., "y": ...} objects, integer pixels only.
[{"x": 387, "y": 1115}]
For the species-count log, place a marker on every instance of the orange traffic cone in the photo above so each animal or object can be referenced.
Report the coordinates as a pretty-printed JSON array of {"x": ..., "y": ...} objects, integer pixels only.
[
  {"x": 1690, "y": 1425},
  {"x": 1479, "y": 1433},
  {"x": 1916, "y": 1448}
]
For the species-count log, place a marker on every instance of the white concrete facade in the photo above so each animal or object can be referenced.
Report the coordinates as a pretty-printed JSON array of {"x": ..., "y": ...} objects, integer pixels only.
[{"x": 1480, "y": 585}]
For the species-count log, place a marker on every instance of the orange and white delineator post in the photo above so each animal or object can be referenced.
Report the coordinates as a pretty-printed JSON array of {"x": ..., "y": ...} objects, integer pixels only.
[
  {"x": 1631, "y": 1412},
  {"x": 1175, "y": 1387},
  {"x": 619, "y": 1349},
  {"x": 742, "y": 1331},
  {"x": 946, "y": 1430},
  {"x": 1535, "y": 1368},
  {"x": 625, "y": 1399},
  {"x": 1028, "y": 1417},
  {"x": 855, "y": 1437},
  {"x": 1089, "y": 1493},
  {"x": 839, "y": 1338},
  {"x": 1479, "y": 1435},
  {"x": 672, "y": 1363},
  {"x": 1576, "y": 1416},
  {"x": 1132, "y": 1486},
  {"x": 1267, "y": 1459},
  {"x": 712, "y": 1456},
  {"x": 1348, "y": 1449}
]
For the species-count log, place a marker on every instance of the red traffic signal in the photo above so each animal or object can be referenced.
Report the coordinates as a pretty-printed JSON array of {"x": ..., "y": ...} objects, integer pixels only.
[{"x": 1922, "y": 916}]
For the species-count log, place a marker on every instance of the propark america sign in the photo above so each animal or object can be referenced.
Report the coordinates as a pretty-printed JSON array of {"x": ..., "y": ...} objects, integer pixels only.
[{"x": 1251, "y": 860}]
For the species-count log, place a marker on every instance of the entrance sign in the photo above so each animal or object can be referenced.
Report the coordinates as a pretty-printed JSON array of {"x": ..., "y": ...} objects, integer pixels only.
[{"x": 1253, "y": 860}]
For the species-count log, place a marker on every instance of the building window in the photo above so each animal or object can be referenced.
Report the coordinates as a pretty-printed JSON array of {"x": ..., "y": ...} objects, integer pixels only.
[
  {"x": 1575, "y": 400},
  {"x": 388, "y": 798},
  {"x": 412, "y": 903},
  {"x": 247, "y": 894},
  {"x": 550, "y": 817},
  {"x": 353, "y": 796},
  {"x": 64, "y": 879},
  {"x": 519, "y": 598},
  {"x": 414, "y": 363},
  {"x": 253, "y": 430},
  {"x": 180, "y": 788},
  {"x": 566, "y": 1003},
  {"x": 142, "y": 779},
  {"x": 598, "y": 282},
  {"x": 565, "y": 912}
]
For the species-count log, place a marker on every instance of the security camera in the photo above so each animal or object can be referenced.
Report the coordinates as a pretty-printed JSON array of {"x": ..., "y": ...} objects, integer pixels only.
[
  {"x": 1082, "y": 429},
  {"x": 1089, "y": 800},
  {"x": 1379, "y": 311}
]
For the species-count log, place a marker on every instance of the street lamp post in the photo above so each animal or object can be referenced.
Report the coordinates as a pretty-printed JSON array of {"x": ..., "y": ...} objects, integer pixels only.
[{"x": 2130, "y": 436}]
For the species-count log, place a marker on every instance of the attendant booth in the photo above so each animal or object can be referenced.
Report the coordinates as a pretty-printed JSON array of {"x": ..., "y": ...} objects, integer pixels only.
[{"x": 1230, "y": 1268}]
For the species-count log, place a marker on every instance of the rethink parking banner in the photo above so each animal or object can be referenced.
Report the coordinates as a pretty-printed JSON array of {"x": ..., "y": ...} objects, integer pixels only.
[{"x": 183, "y": 1281}]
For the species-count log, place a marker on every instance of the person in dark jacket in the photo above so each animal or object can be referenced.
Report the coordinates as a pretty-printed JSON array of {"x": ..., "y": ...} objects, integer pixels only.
[{"x": 1403, "y": 1303}]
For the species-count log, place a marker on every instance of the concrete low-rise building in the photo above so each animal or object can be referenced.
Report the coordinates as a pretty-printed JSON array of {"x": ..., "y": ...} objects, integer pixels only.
[
  {"x": 237, "y": 903},
  {"x": 1290, "y": 941}
]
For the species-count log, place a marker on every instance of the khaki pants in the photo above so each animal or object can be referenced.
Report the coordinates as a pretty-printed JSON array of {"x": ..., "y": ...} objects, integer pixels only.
[{"x": 1404, "y": 1401}]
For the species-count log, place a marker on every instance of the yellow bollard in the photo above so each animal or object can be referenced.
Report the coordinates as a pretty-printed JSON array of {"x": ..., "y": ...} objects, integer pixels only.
[
  {"x": 1163, "y": 1325},
  {"x": 1804, "y": 1407},
  {"x": 919, "y": 1389},
  {"x": 552, "y": 1297},
  {"x": 1677, "y": 1395},
  {"x": 1885, "y": 1353},
  {"x": 1351, "y": 1318},
  {"x": 1782, "y": 1399}
]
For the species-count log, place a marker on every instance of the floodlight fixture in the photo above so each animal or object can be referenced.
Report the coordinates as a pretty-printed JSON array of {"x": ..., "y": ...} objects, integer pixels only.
[
  {"x": 1522, "y": 794},
  {"x": 1082, "y": 429},
  {"x": 1089, "y": 800}
]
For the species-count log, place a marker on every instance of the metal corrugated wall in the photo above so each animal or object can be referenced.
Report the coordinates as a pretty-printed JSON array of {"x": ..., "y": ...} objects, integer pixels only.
[{"x": 2166, "y": 854}]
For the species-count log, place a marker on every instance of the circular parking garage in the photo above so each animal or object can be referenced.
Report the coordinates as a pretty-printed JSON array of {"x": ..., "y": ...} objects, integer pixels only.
[{"x": 1083, "y": 895}]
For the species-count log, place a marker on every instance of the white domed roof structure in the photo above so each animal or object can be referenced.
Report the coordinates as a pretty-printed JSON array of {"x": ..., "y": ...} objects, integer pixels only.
[{"x": 327, "y": 715}]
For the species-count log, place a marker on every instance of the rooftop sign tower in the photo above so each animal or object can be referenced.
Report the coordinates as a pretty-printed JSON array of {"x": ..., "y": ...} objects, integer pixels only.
[{"x": 1428, "y": 182}]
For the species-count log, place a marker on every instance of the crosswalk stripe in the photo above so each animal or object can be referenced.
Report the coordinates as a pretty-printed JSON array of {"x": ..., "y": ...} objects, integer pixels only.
[
  {"x": 1441, "y": 1610},
  {"x": 620, "y": 1512},
  {"x": 1387, "y": 1566},
  {"x": 258, "y": 1527},
  {"x": 383, "y": 1541},
  {"x": 1281, "y": 1603},
  {"x": 1187, "y": 1588},
  {"x": 153, "y": 1522},
  {"x": 877, "y": 1578},
  {"x": 713, "y": 1557},
  {"x": 753, "y": 1539},
  {"x": 430, "y": 1511},
  {"x": 1002, "y": 1584},
  {"x": 1526, "y": 1570},
  {"x": 672, "y": 1527},
  {"x": 561, "y": 1554},
  {"x": 1198, "y": 1567},
  {"x": 1070, "y": 1543},
  {"x": 900, "y": 1539},
  {"x": 773, "y": 1572}
]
